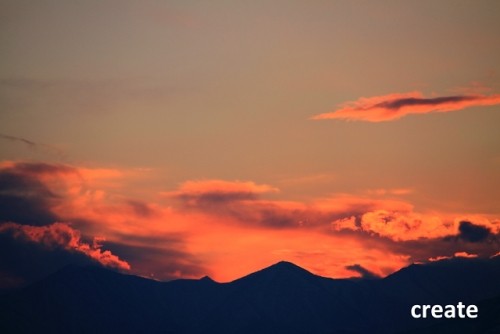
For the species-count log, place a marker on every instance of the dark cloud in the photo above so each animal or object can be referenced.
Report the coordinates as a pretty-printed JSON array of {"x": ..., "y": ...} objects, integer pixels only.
[
  {"x": 404, "y": 102},
  {"x": 35, "y": 241},
  {"x": 214, "y": 198},
  {"x": 208, "y": 192},
  {"x": 29, "y": 143},
  {"x": 237, "y": 200},
  {"x": 164, "y": 259},
  {"x": 473, "y": 233},
  {"x": 24, "y": 199},
  {"x": 33, "y": 145},
  {"x": 63, "y": 236},
  {"x": 40, "y": 168},
  {"x": 394, "y": 106},
  {"x": 141, "y": 209},
  {"x": 27, "y": 201},
  {"x": 365, "y": 273},
  {"x": 423, "y": 249},
  {"x": 26, "y": 262},
  {"x": 248, "y": 209}
]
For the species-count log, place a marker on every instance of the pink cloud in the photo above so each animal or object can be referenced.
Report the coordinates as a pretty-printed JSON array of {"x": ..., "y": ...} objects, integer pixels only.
[{"x": 394, "y": 106}]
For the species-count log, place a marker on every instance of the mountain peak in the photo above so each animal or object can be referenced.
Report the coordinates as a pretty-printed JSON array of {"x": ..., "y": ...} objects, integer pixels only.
[
  {"x": 285, "y": 265},
  {"x": 207, "y": 279},
  {"x": 280, "y": 270}
]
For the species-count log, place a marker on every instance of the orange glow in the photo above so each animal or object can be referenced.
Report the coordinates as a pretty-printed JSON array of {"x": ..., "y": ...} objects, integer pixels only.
[
  {"x": 224, "y": 229},
  {"x": 235, "y": 252}
]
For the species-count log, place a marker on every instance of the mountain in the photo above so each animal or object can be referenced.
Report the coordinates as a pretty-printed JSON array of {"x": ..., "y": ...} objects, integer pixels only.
[{"x": 282, "y": 298}]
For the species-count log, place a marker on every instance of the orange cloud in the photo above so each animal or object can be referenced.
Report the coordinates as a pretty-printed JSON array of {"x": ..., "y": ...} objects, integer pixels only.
[
  {"x": 61, "y": 235},
  {"x": 404, "y": 225},
  {"x": 227, "y": 228},
  {"x": 395, "y": 192},
  {"x": 465, "y": 254},
  {"x": 457, "y": 254},
  {"x": 394, "y": 106},
  {"x": 347, "y": 205},
  {"x": 237, "y": 189}
]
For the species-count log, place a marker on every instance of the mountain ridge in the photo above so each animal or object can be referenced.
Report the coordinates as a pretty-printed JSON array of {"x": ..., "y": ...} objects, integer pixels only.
[{"x": 281, "y": 298}]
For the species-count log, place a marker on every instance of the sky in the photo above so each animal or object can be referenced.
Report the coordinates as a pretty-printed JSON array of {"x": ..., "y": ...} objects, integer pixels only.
[{"x": 178, "y": 139}]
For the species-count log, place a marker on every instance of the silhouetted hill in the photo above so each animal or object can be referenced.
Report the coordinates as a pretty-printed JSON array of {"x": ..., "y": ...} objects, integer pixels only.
[{"x": 282, "y": 298}]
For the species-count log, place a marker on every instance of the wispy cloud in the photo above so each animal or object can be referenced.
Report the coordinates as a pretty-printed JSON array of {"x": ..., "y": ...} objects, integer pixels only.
[
  {"x": 394, "y": 106},
  {"x": 34, "y": 145},
  {"x": 221, "y": 188}
]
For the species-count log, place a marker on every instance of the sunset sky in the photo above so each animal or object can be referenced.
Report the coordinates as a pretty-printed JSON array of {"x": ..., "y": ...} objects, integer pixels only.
[{"x": 177, "y": 139}]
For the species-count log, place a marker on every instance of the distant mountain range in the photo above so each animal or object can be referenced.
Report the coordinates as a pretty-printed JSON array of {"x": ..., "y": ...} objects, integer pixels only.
[{"x": 282, "y": 298}]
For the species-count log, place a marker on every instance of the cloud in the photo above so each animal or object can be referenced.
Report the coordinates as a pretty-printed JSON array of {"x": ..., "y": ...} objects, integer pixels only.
[
  {"x": 29, "y": 143},
  {"x": 208, "y": 227},
  {"x": 61, "y": 235},
  {"x": 163, "y": 258},
  {"x": 25, "y": 262},
  {"x": 406, "y": 225},
  {"x": 36, "y": 197},
  {"x": 424, "y": 249},
  {"x": 365, "y": 273},
  {"x": 393, "y": 192},
  {"x": 473, "y": 233},
  {"x": 241, "y": 203},
  {"x": 220, "y": 191},
  {"x": 466, "y": 255},
  {"x": 455, "y": 255},
  {"x": 30, "y": 253},
  {"x": 394, "y": 106},
  {"x": 141, "y": 208},
  {"x": 34, "y": 146},
  {"x": 345, "y": 205},
  {"x": 24, "y": 198},
  {"x": 238, "y": 202}
]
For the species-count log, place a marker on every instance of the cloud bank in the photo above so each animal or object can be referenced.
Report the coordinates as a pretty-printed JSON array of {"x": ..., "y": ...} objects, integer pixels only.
[{"x": 56, "y": 214}]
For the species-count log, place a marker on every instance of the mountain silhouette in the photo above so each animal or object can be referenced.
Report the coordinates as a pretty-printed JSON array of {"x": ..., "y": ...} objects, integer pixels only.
[{"x": 282, "y": 298}]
